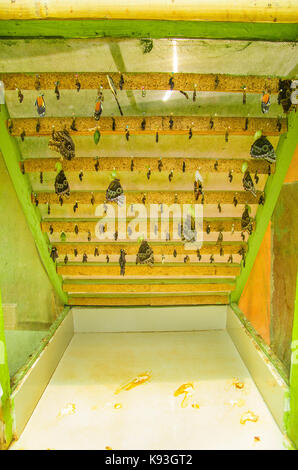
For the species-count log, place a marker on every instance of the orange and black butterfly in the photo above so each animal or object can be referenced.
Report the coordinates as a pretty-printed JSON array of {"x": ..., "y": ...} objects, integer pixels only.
[{"x": 41, "y": 106}]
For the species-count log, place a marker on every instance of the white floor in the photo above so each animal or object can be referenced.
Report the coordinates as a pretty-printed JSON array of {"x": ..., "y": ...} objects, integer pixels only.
[{"x": 77, "y": 409}]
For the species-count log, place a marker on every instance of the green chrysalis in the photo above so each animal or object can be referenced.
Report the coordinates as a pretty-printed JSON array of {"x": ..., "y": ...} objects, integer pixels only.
[{"x": 96, "y": 136}]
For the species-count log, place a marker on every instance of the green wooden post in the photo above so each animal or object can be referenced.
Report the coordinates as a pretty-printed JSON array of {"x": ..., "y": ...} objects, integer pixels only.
[
  {"x": 284, "y": 152},
  {"x": 12, "y": 157},
  {"x": 5, "y": 403},
  {"x": 291, "y": 416}
]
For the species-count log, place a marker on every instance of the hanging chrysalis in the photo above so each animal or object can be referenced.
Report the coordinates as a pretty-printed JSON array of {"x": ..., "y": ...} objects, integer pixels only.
[
  {"x": 211, "y": 259},
  {"x": 219, "y": 207},
  {"x": 114, "y": 192},
  {"x": 265, "y": 102},
  {"x": 121, "y": 82},
  {"x": 208, "y": 229},
  {"x": 244, "y": 95},
  {"x": 76, "y": 229},
  {"x": 216, "y": 82},
  {"x": 62, "y": 143},
  {"x": 156, "y": 137},
  {"x": 63, "y": 237},
  {"x": 65, "y": 259},
  {"x": 40, "y": 105},
  {"x": 284, "y": 95},
  {"x": 85, "y": 258},
  {"x": 96, "y": 252},
  {"x": 246, "y": 124},
  {"x": 221, "y": 251},
  {"x": 160, "y": 165},
  {"x": 49, "y": 209},
  {"x": 51, "y": 230},
  {"x": 233, "y": 229},
  {"x": 75, "y": 252},
  {"x": 246, "y": 220},
  {"x": 211, "y": 123},
  {"x": 23, "y": 134},
  {"x": 148, "y": 174},
  {"x": 188, "y": 232},
  {"x": 183, "y": 166},
  {"x": 132, "y": 165},
  {"x": 227, "y": 136},
  {"x": 235, "y": 201},
  {"x": 73, "y": 125},
  {"x": 176, "y": 199},
  {"x": 61, "y": 185},
  {"x": 122, "y": 262},
  {"x": 37, "y": 127},
  {"x": 113, "y": 124},
  {"x": 230, "y": 176},
  {"x": 10, "y": 126},
  {"x": 199, "y": 256},
  {"x": 219, "y": 238},
  {"x": 248, "y": 183},
  {"x": 171, "y": 174},
  {"x": 81, "y": 174},
  {"x": 22, "y": 166},
  {"x": 127, "y": 133},
  {"x": 41, "y": 177},
  {"x": 89, "y": 237},
  {"x": 96, "y": 136},
  {"x": 262, "y": 148},
  {"x": 163, "y": 258},
  {"x": 144, "y": 199},
  {"x": 184, "y": 94},
  {"x": 61, "y": 200},
  {"x": 143, "y": 92},
  {"x": 143, "y": 124},
  {"x": 171, "y": 83},
  {"x": 145, "y": 254},
  {"x": 243, "y": 236},
  {"x": 107, "y": 258},
  {"x": 96, "y": 165},
  {"x": 20, "y": 95},
  {"x": 116, "y": 235},
  {"x": 194, "y": 95},
  {"x": 37, "y": 84},
  {"x": 262, "y": 200},
  {"x": 190, "y": 133},
  {"x": 175, "y": 253},
  {"x": 186, "y": 259},
  {"x": 230, "y": 259},
  {"x": 92, "y": 199},
  {"x": 57, "y": 92},
  {"x": 278, "y": 124},
  {"x": 77, "y": 83},
  {"x": 216, "y": 166},
  {"x": 54, "y": 254},
  {"x": 98, "y": 109},
  {"x": 171, "y": 123},
  {"x": 256, "y": 177}
]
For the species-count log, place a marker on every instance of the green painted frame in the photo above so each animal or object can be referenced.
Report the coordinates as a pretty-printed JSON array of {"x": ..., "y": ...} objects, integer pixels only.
[
  {"x": 291, "y": 415},
  {"x": 5, "y": 401},
  {"x": 148, "y": 29},
  {"x": 12, "y": 157},
  {"x": 284, "y": 152}
]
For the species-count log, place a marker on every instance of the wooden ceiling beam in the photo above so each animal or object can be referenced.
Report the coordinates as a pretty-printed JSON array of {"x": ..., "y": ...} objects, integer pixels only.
[
  {"x": 159, "y": 248},
  {"x": 200, "y": 125},
  {"x": 222, "y": 165},
  {"x": 144, "y": 289},
  {"x": 137, "y": 81},
  {"x": 212, "y": 299},
  {"x": 152, "y": 197},
  {"x": 158, "y": 270}
]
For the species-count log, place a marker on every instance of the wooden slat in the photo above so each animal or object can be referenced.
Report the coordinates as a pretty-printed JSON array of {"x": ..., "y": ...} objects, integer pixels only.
[
  {"x": 200, "y": 125},
  {"x": 150, "y": 81},
  {"x": 131, "y": 248},
  {"x": 172, "y": 300},
  {"x": 147, "y": 288},
  {"x": 169, "y": 269},
  {"x": 216, "y": 225},
  {"x": 32, "y": 165},
  {"x": 152, "y": 197}
]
